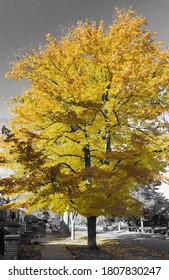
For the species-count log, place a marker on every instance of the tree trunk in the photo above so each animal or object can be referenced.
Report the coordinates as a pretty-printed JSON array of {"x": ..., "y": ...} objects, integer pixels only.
[
  {"x": 72, "y": 230},
  {"x": 108, "y": 141},
  {"x": 66, "y": 218},
  {"x": 91, "y": 227},
  {"x": 64, "y": 223},
  {"x": 119, "y": 225},
  {"x": 91, "y": 221},
  {"x": 142, "y": 225},
  {"x": 87, "y": 157},
  {"x": 73, "y": 217}
]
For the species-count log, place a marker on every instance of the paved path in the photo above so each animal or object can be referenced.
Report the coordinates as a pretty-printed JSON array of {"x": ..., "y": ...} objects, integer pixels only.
[{"x": 53, "y": 251}]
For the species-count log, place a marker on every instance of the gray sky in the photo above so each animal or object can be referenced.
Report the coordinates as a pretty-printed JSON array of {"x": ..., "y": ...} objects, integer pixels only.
[{"x": 24, "y": 23}]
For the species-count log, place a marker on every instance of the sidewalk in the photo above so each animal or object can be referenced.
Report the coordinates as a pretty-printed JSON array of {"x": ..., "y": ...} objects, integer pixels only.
[{"x": 53, "y": 251}]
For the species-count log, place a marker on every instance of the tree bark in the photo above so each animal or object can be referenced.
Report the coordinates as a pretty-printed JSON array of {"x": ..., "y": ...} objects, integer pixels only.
[
  {"x": 91, "y": 221},
  {"x": 73, "y": 217},
  {"x": 87, "y": 157},
  {"x": 64, "y": 224},
  {"x": 108, "y": 141},
  {"x": 91, "y": 228},
  {"x": 119, "y": 225},
  {"x": 142, "y": 225}
]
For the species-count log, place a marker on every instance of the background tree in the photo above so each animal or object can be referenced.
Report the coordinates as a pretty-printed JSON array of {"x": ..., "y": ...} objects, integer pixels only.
[
  {"x": 93, "y": 124},
  {"x": 155, "y": 203}
]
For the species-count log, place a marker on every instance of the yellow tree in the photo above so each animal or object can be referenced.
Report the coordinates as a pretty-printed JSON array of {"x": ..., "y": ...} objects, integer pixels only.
[{"x": 93, "y": 125}]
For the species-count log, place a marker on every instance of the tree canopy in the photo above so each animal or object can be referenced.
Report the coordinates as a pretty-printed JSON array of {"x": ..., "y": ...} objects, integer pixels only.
[{"x": 93, "y": 124}]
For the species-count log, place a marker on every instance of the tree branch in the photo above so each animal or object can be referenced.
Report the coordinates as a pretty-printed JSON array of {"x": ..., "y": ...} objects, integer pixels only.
[
  {"x": 69, "y": 155},
  {"x": 66, "y": 164},
  {"x": 117, "y": 118},
  {"x": 78, "y": 142}
]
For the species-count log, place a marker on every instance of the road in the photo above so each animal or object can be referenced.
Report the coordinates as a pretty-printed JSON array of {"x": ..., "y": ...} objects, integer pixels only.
[
  {"x": 159, "y": 243},
  {"x": 146, "y": 241}
]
